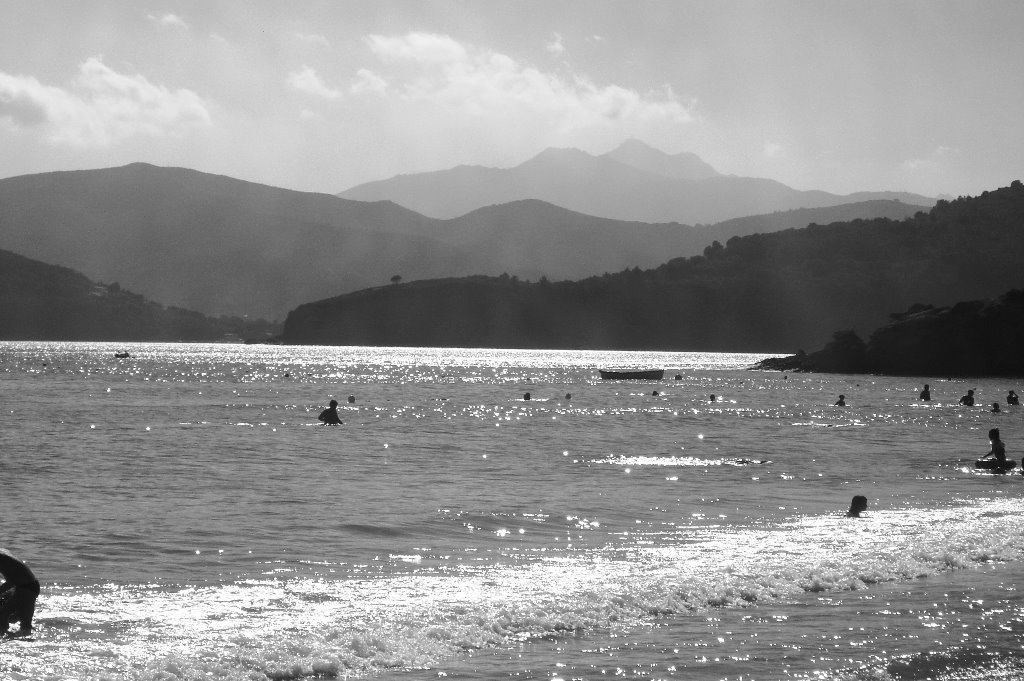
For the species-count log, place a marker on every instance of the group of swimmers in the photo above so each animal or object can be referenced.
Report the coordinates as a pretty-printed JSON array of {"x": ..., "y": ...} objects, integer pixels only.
[{"x": 968, "y": 400}]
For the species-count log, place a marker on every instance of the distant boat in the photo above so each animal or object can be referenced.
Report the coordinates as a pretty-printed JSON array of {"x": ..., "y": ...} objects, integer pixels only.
[
  {"x": 633, "y": 374},
  {"x": 122, "y": 355}
]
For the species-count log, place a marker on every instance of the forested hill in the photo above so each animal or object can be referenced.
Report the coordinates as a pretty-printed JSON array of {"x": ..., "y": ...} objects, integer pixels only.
[
  {"x": 46, "y": 302},
  {"x": 766, "y": 292}
]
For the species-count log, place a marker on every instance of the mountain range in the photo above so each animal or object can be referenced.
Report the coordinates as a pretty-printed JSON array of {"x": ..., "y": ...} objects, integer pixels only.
[
  {"x": 222, "y": 246},
  {"x": 758, "y": 293},
  {"x": 634, "y": 182},
  {"x": 46, "y": 302}
]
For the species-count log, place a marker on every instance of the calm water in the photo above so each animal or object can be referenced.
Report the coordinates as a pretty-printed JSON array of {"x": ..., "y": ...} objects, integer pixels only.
[{"x": 189, "y": 519}]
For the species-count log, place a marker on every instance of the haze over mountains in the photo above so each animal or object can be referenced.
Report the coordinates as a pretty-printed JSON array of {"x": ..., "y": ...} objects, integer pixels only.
[
  {"x": 758, "y": 293},
  {"x": 218, "y": 245},
  {"x": 634, "y": 182},
  {"x": 47, "y": 302}
]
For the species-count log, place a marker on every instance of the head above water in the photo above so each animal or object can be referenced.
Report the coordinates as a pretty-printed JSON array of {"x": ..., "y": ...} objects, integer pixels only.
[
  {"x": 857, "y": 506},
  {"x": 334, "y": 403}
]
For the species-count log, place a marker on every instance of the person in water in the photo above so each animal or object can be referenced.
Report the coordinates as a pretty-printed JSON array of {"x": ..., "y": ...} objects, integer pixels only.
[
  {"x": 841, "y": 402},
  {"x": 1011, "y": 398},
  {"x": 926, "y": 394},
  {"x": 968, "y": 399},
  {"x": 995, "y": 407},
  {"x": 998, "y": 451},
  {"x": 329, "y": 416},
  {"x": 857, "y": 506},
  {"x": 18, "y": 593}
]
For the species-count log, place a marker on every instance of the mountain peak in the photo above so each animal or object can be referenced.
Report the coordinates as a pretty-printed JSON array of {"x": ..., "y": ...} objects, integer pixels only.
[
  {"x": 640, "y": 155},
  {"x": 561, "y": 155}
]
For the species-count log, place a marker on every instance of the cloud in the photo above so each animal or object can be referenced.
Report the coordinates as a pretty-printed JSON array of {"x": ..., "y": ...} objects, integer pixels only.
[
  {"x": 101, "y": 107},
  {"x": 555, "y": 46},
  {"x": 308, "y": 82},
  {"x": 773, "y": 149},
  {"x": 169, "y": 20},
  {"x": 931, "y": 161},
  {"x": 424, "y": 48},
  {"x": 368, "y": 81},
  {"x": 483, "y": 83}
]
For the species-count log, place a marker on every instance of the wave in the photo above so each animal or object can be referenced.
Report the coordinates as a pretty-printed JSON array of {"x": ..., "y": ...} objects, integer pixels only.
[
  {"x": 289, "y": 629},
  {"x": 955, "y": 665}
]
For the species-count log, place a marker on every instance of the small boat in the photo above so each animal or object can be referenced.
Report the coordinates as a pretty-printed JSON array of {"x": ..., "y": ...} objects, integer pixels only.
[
  {"x": 994, "y": 465},
  {"x": 122, "y": 355},
  {"x": 633, "y": 374}
]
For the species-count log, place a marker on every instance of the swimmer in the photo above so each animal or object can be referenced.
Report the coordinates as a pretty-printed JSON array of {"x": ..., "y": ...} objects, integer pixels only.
[
  {"x": 841, "y": 402},
  {"x": 968, "y": 399},
  {"x": 926, "y": 394},
  {"x": 998, "y": 451},
  {"x": 18, "y": 594},
  {"x": 329, "y": 416},
  {"x": 857, "y": 506}
]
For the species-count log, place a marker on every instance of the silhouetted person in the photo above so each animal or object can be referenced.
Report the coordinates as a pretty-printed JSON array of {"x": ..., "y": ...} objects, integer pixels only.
[
  {"x": 995, "y": 407},
  {"x": 18, "y": 593},
  {"x": 926, "y": 394},
  {"x": 998, "y": 451},
  {"x": 841, "y": 402},
  {"x": 655, "y": 393},
  {"x": 351, "y": 399},
  {"x": 329, "y": 416},
  {"x": 968, "y": 399},
  {"x": 526, "y": 396},
  {"x": 711, "y": 398},
  {"x": 1011, "y": 398},
  {"x": 568, "y": 396},
  {"x": 857, "y": 506}
]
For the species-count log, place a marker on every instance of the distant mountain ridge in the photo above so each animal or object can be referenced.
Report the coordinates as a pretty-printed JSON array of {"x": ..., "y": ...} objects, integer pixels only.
[
  {"x": 634, "y": 182},
  {"x": 46, "y": 302},
  {"x": 219, "y": 245},
  {"x": 758, "y": 293},
  {"x": 684, "y": 165}
]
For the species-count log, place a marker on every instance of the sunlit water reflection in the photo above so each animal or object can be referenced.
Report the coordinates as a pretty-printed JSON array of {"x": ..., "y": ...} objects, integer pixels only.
[{"x": 190, "y": 519}]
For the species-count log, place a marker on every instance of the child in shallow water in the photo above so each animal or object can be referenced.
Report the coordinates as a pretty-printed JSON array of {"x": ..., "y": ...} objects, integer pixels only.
[{"x": 998, "y": 450}]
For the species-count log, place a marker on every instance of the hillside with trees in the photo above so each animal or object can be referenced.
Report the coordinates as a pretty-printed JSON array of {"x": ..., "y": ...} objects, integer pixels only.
[
  {"x": 220, "y": 245},
  {"x": 971, "y": 338},
  {"x": 763, "y": 292},
  {"x": 46, "y": 302}
]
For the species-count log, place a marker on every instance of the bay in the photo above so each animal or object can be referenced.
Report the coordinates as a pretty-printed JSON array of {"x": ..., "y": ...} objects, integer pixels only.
[{"x": 189, "y": 517}]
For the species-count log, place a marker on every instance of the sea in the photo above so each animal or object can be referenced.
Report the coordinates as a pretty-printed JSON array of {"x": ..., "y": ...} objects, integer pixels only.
[{"x": 189, "y": 518}]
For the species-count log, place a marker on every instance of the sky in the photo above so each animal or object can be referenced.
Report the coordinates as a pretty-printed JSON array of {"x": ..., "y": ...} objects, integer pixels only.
[{"x": 922, "y": 96}]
